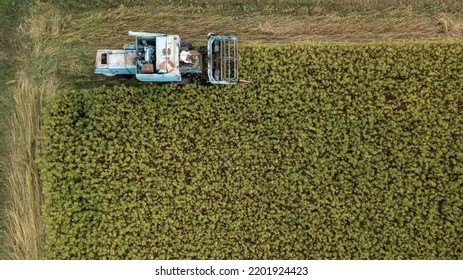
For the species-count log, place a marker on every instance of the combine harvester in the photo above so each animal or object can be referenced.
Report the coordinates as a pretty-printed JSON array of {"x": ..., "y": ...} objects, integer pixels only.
[{"x": 156, "y": 57}]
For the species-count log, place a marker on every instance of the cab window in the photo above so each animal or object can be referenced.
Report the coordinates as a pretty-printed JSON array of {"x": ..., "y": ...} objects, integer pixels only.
[{"x": 104, "y": 58}]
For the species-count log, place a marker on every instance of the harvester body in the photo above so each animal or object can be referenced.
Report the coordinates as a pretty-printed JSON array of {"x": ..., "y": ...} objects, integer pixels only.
[{"x": 156, "y": 57}]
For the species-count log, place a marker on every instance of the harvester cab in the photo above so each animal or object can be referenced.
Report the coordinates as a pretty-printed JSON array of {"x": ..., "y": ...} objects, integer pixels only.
[{"x": 156, "y": 57}]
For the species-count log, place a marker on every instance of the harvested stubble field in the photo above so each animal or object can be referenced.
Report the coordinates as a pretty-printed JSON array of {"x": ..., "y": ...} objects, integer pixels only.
[{"x": 53, "y": 53}]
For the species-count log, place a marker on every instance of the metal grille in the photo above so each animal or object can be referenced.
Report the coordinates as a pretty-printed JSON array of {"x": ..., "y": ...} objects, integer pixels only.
[{"x": 224, "y": 60}]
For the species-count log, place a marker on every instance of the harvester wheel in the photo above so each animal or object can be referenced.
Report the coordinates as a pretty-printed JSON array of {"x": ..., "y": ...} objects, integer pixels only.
[
  {"x": 185, "y": 45},
  {"x": 125, "y": 77},
  {"x": 184, "y": 81}
]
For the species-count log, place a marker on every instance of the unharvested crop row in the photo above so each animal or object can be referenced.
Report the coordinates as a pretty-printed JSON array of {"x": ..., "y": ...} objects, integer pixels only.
[{"x": 335, "y": 151}]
